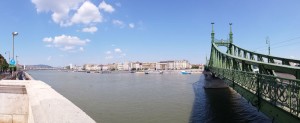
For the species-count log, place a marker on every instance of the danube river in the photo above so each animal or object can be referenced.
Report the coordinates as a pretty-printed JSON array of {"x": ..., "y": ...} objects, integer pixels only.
[{"x": 151, "y": 98}]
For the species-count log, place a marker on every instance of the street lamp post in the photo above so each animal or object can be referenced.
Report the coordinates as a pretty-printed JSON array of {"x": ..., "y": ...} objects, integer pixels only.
[
  {"x": 14, "y": 34},
  {"x": 17, "y": 62}
]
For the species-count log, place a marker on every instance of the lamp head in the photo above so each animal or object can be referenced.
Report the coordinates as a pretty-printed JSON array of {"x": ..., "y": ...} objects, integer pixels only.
[{"x": 14, "y": 33}]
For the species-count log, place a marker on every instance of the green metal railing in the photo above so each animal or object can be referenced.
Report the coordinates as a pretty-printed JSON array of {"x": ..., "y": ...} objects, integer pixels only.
[
  {"x": 280, "y": 92},
  {"x": 238, "y": 51},
  {"x": 226, "y": 60}
]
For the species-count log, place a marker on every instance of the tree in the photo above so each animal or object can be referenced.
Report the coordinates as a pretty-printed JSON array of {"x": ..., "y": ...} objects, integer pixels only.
[
  {"x": 3, "y": 64},
  {"x": 195, "y": 66}
]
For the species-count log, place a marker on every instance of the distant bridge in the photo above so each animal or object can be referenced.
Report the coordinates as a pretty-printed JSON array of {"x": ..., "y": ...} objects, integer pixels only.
[{"x": 270, "y": 83}]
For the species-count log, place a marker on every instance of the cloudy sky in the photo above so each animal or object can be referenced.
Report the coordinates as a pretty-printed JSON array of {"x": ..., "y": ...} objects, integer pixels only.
[{"x": 60, "y": 32}]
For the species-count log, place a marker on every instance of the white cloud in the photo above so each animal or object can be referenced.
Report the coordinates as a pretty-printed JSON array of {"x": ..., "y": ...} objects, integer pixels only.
[
  {"x": 66, "y": 43},
  {"x": 117, "y": 53},
  {"x": 81, "y": 49},
  {"x": 131, "y": 25},
  {"x": 118, "y": 50},
  {"x": 87, "y": 14},
  {"x": 90, "y": 29},
  {"x": 69, "y": 40},
  {"x": 49, "y": 58},
  {"x": 108, "y": 52},
  {"x": 118, "y": 23},
  {"x": 60, "y": 9},
  {"x": 106, "y": 7},
  {"x": 67, "y": 48},
  {"x": 47, "y": 39}
]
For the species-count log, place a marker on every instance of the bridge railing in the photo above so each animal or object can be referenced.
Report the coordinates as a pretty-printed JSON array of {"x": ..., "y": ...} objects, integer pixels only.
[
  {"x": 226, "y": 60},
  {"x": 238, "y": 51},
  {"x": 280, "y": 92}
]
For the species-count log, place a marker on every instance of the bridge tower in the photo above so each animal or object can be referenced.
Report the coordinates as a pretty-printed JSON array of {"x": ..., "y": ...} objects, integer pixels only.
[
  {"x": 230, "y": 47},
  {"x": 212, "y": 33},
  {"x": 230, "y": 34}
]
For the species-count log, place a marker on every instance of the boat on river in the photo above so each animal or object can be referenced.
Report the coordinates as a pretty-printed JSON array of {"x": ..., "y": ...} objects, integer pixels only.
[{"x": 185, "y": 72}]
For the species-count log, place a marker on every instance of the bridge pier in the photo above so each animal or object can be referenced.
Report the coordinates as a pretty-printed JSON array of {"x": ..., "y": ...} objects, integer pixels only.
[{"x": 213, "y": 82}]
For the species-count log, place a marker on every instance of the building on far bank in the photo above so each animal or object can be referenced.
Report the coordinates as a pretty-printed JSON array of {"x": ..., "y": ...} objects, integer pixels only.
[
  {"x": 92, "y": 67},
  {"x": 77, "y": 68},
  {"x": 105, "y": 67},
  {"x": 182, "y": 64},
  {"x": 148, "y": 66},
  {"x": 127, "y": 66},
  {"x": 87, "y": 67},
  {"x": 120, "y": 66},
  {"x": 135, "y": 65},
  {"x": 173, "y": 65},
  {"x": 113, "y": 66}
]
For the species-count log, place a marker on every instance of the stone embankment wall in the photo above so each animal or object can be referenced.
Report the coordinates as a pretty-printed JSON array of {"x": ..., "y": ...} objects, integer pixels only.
[{"x": 34, "y": 101}]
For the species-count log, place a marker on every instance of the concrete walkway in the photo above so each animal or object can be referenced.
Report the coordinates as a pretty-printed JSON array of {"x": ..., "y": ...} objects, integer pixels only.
[
  {"x": 34, "y": 101},
  {"x": 16, "y": 95}
]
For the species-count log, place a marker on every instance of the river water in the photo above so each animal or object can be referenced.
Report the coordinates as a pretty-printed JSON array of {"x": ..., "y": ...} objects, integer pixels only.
[{"x": 151, "y": 98}]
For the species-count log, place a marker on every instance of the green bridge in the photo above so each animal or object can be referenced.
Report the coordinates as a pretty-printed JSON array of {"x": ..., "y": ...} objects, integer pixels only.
[{"x": 270, "y": 83}]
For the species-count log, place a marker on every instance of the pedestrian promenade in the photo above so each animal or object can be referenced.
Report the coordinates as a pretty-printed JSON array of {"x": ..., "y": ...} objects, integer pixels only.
[{"x": 33, "y": 101}]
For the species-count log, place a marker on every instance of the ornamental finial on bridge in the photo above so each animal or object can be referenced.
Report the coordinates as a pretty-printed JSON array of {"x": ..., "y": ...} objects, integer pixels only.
[
  {"x": 230, "y": 34},
  {"x": 212, "y": 33},
  {"x": 212, "y": 27}
]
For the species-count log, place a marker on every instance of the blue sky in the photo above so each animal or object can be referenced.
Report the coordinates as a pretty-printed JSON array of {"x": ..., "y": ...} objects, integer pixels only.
[{"x": 60, "y": 32}]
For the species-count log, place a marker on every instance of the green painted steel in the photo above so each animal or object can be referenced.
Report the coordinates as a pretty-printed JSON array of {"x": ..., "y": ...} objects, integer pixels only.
[{"x": 254, "y": 76}]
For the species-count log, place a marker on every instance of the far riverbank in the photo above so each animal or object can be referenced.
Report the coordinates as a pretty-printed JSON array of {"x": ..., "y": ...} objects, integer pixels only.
[{"x": 139, "y": 71}]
